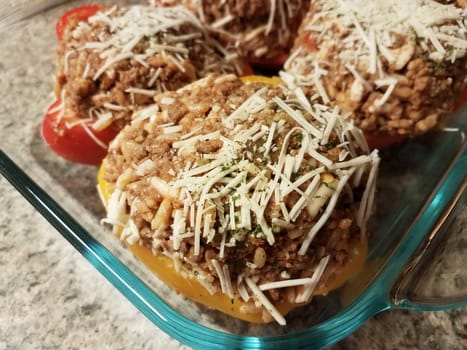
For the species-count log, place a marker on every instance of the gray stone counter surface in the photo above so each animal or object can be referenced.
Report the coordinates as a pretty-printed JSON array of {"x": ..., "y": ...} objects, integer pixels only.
[{"x": 52, "y": 298}]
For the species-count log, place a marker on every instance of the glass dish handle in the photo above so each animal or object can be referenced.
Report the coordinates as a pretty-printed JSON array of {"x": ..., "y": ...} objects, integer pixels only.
[{"x": 435, "y": 278}]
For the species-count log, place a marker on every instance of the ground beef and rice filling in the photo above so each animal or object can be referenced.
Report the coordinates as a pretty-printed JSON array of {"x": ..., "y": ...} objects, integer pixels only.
[
  {"x": 113, "y": 63},
  {"x": 231, "y": 161},
  {"x": 398, "y": 66},
  {"x": 260, "y": 29}
]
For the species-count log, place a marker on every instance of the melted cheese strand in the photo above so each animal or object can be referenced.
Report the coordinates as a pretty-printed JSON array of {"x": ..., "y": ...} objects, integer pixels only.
[
  {"x": 368, "y": 195},
  {"x": 265, "y": 301},
  {"x": 298, "y": 117},
  {"x": 286, "y": 283},
  {"x": 327, "y": 213},
  {"x": 310, "y": 286}
]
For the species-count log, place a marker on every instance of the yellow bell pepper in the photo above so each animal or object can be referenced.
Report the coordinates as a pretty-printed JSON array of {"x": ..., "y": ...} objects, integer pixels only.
[{"x": 189, "y": 286}]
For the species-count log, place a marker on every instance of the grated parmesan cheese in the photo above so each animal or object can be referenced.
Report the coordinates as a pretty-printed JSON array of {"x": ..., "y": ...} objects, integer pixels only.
[
  {"x": 138, "y": 35},
  {"x": 364, "y": 33},
  {"x": 248, "y": 188}
]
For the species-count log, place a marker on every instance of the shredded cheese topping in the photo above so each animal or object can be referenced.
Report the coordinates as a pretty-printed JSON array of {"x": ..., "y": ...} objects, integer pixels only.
[
  {"x": 375, "y": 33},
  {"x": 245, "y": 187},
  {"x": 257, "y": 35},
  {"x": 139, "y": 35}
]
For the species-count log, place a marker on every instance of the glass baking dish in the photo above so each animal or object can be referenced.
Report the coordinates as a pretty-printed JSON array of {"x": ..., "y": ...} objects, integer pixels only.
[{"x": 415, "y": 260}]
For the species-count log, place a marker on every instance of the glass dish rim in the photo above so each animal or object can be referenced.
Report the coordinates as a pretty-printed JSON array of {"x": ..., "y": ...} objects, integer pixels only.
[{"x": 373, "y": 300}]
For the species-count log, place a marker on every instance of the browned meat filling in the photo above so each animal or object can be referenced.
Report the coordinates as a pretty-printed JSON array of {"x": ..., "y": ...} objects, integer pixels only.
[
  {"x": 400, "y": 77},
  {"x": 260, "y": 28},
  {"x": 117, "y": 60}
]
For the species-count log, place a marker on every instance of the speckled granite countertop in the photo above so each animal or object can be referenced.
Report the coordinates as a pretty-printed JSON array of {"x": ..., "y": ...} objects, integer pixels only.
[{"x": 52, "y": 298}]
